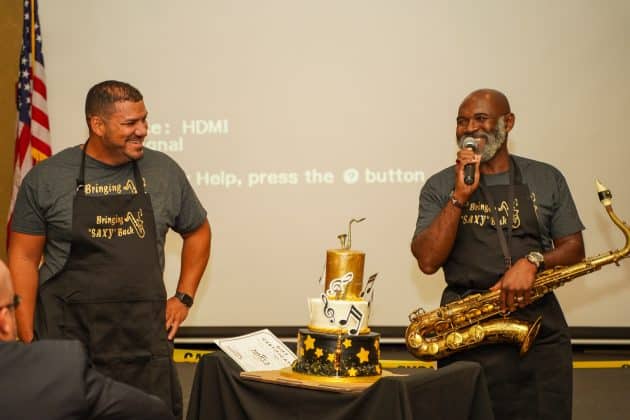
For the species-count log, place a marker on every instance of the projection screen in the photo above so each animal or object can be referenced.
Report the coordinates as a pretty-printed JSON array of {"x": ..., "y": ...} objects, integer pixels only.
[{"x": 292, "y": 117}]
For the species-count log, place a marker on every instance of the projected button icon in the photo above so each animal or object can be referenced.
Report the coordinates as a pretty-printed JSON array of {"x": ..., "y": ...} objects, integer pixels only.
[{"x": 350, "y": 176}]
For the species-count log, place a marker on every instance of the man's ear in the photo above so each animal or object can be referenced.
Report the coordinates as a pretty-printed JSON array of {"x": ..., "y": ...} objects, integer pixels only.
[
  {"x": 97, "y": 125},
  {"x": 509, "y": 121},
  {"x": 5, "y": 325}
]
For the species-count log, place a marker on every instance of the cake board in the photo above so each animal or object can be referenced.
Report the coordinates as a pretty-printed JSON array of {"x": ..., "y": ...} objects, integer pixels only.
[{"x": 287, "y": 377}]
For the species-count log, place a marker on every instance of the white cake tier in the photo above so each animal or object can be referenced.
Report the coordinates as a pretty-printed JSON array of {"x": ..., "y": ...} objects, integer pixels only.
[{"x": 333, "y": 316}]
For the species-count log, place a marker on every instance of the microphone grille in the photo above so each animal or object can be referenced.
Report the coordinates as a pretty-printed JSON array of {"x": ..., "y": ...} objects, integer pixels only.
[{"x": 469, "y": 143}]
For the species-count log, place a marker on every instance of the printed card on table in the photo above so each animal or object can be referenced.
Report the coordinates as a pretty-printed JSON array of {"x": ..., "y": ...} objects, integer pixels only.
[{"x": 259, "y": 350}]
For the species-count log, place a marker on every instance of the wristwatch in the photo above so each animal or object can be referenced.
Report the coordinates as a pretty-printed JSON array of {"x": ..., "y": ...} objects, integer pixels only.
[
  {"x": 456, "y": 202},
  {"x": 537, "y": 259},
  {"x": 184, "y": 298}
]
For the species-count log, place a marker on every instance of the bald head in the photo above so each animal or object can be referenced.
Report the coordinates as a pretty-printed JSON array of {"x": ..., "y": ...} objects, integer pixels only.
[
  {"x": 8, "y": 328},
  {"x": 493, "y": 98}
]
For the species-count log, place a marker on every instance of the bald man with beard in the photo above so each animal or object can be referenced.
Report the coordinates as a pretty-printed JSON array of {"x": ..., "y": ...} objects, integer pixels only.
[
  {"x": 53, "y": 379},
  {"x": 456, "y": 231}
]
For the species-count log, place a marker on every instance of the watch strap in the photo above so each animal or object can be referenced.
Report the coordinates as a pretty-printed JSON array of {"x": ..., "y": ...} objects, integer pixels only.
[
  {"x": 537, "y": 259},
  {"x": 184, "y": 298},
  {"x": 456, "y": 202}
]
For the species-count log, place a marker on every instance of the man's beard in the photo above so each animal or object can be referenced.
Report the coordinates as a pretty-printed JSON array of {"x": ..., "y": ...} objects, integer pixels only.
[{"x": 494, "y": 139}]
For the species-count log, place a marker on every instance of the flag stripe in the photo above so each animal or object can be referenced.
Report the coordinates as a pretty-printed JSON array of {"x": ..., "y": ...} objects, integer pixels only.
[
  {"x": 40, "y": 116},
  {"x": 24, "y": 142},
  {"x": 40, "y": 146},
  {"x": 38, "y": 84},
  {"x": 40, "y": 132}
]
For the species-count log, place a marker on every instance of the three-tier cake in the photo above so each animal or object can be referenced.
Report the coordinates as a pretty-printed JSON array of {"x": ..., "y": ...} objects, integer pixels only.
[{"x": 338, "y": 341}]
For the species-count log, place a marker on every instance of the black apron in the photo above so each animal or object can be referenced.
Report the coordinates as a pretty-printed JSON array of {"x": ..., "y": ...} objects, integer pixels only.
[
  {"x": 539, "y": 384},
  {"x": 110, "y": 295}
]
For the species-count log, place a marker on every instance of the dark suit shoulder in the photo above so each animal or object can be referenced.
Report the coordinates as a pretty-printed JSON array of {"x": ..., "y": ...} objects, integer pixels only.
[
  {"x": 53, "y": 354},
  {"x": 44, "y": 379}
]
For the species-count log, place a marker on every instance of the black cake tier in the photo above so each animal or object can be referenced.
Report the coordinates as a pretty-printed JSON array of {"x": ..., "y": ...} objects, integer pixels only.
[{"x": 337, "y": 355}]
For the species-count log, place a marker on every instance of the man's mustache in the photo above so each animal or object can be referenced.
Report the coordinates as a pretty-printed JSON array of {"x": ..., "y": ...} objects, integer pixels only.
[{"x": 478, "y": 134}]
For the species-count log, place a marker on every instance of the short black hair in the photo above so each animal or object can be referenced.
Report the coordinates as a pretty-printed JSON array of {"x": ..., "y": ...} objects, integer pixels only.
[{"x": 102, "y": 97}]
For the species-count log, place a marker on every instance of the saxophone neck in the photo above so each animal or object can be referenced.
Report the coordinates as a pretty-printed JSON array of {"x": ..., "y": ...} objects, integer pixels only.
[{"x": 605, "y": 197}]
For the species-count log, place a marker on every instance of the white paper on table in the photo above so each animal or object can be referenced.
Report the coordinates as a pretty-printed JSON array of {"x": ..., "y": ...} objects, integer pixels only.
[{"x": 259, "y": 350}]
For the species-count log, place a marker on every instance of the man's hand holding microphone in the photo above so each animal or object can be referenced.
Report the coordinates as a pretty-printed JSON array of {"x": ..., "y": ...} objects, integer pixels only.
[{"x": 466, "y": 171}]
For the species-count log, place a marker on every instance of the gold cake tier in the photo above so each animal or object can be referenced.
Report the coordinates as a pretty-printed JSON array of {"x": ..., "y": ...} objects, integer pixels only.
[{"x": 340, "y": 262}]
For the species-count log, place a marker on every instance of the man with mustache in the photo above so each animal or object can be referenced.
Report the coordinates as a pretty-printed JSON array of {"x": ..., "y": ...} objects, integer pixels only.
[
  {"x": 53, "y": 379},
  {"x": 98, "y": 214},
  {"x": 539, "y": 225}
]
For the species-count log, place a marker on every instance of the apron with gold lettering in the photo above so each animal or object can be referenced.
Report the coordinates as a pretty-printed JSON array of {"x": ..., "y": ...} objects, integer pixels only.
[
  {"x": 110, "y": 294},
  {"x": 538, "y": 385}
]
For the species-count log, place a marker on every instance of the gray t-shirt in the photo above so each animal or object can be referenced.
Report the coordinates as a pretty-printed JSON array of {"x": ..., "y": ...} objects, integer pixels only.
[
  {"x": 554, "y": 206},
  {"x": 45, "y": 200}
]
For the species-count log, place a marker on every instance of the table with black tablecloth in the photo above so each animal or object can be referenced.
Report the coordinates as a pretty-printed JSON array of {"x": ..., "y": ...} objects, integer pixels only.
[{"x": 455, "y": 392}]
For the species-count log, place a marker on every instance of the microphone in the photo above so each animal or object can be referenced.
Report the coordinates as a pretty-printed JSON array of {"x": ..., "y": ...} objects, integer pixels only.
[{"x": 469, "y": 168}]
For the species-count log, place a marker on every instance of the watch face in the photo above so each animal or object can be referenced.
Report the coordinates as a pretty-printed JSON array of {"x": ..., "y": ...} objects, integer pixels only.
[
  {"x": 184, "y": 298},
  {"x": 535, "y": 258}
]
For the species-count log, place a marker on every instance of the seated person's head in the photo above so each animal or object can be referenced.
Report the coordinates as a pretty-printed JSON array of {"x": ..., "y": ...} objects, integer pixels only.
[{"x": 8, "y": 302}]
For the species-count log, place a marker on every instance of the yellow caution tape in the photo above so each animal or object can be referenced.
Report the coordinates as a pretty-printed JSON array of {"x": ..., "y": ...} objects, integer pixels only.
[
  {"x": 581, "y": 364},
  {"x": 601, "y": 364},
  {"x": 193, "y": 356},
  {"x": 189, "y": 356}
]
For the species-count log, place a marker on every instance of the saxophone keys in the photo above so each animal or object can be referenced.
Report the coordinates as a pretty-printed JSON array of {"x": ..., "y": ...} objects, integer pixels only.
[
  {"x": 454, "y": 340},
  {"x": 477, "y": 333}
]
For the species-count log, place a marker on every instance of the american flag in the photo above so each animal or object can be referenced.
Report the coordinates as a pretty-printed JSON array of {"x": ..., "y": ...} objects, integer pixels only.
[{"x": 32, "y": 144}]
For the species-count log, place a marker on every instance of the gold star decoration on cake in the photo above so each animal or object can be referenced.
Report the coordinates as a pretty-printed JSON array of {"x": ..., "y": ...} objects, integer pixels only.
[
  {"x": 309, "y": 343},
  {"x": 363, "y": 355},
  {"x": 352, "y": 372},
  {"x": 331, "y": 357},
  {"x": 347, "y": 343},
  {"x": 319, "y": 352}
]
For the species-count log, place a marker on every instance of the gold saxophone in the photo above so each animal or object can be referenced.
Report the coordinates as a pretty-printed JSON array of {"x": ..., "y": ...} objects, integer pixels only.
[{"x": 457, "y": 326}]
